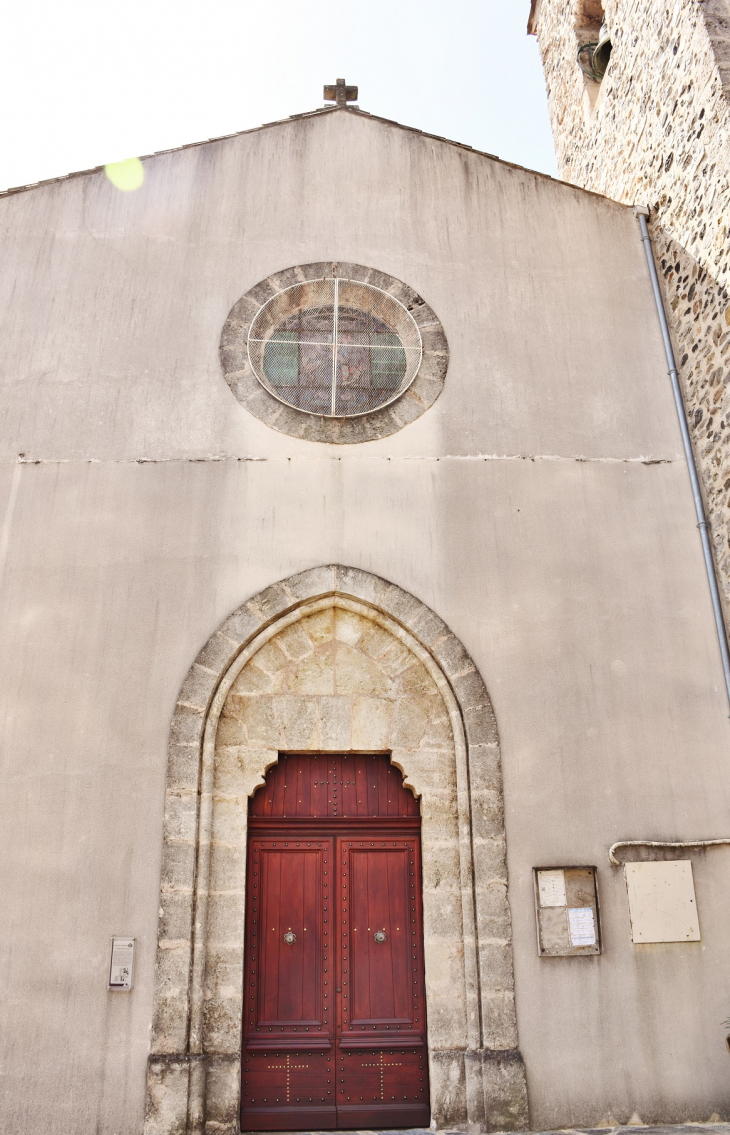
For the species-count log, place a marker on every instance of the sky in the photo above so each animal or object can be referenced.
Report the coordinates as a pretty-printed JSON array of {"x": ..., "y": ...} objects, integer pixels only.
[{"x": 89, "y": 82}]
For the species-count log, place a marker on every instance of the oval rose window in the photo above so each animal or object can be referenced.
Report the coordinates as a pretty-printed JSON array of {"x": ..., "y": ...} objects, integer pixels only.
[{"x": 334, "y": 347}]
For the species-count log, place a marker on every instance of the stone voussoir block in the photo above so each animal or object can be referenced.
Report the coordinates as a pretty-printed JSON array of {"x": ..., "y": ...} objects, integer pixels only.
[
  {"x": 198, "y": 687},
  {"x": 495, "y": 959},
  {"x": 181, "y": 815},
  {"x": 295, "y": 642},
  {"x": 230, "y": 821},
  {"x": 487, "y": 813},
  {"x": 227, "y": 867},
  {"x": 452, "y": 656},
  {"x": 275, "y": 600},
  {"x": 218, "y": 652},
  {"x": 183, "y": 768},
  {"x": 427, "y": 628},
  {"x": 287, "y": 278},
  {"x": 432, "y": 337},
  {"x": 242, "y": 624},
  {"x": 243, "y": 312},
  {"x": 176, "y": 916},
  {"x": 485, "y": 767},
  {"x": 225, "y": 916},
  {"x": 233, "y": 358},
  {"x": 312, "y": 583},
  {"x": 178, "y": 866},
  {"x": 427, "y": 384},
  {"x": 470, "y": 689},
  {"x": 408, "y": 407},
  {"x": 317, "y": 270},
  {"x": 352, "y": 582},
  {"x": 187, "y": 725},
  {"x": 490, "y": 861},
  {"x": 480, "y": 725},
  {"x": 398, "y": 603},
  {"x": 498, "y": 1019}
]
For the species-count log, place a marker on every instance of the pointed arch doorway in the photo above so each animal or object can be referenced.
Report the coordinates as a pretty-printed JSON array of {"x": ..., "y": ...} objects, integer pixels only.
[
  {"x": 333, "y": 660},
  {"x": 334, "y": 1030}
]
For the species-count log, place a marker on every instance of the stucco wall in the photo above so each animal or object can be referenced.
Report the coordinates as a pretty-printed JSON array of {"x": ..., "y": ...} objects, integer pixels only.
[{"x": 540, "y": 507}]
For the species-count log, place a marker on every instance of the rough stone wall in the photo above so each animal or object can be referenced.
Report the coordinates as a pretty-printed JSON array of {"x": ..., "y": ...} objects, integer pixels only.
[
  {"x": 699, "y": 310},
  {"x": 717, "y": 19},
  {"x": 657, "y": 132}
]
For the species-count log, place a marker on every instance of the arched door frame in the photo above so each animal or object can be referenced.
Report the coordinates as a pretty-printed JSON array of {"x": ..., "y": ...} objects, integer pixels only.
[{"x": 189, "y": 1088}]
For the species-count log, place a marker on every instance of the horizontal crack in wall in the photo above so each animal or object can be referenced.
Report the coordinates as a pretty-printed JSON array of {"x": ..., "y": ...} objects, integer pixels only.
[{"x": 213, "y": 458}]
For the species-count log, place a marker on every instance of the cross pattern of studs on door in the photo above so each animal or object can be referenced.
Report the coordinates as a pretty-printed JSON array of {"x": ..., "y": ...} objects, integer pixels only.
[
  {"x": 288, "y": 1066},
  {"x": 382, "y": 1064}
]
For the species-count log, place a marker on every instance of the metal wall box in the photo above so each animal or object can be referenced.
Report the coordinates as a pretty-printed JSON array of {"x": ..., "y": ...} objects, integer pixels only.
[
  {"x": 121, "y": 964},
  {"x": 566, "y": 910},
  {"x": 662, "y": 901}
]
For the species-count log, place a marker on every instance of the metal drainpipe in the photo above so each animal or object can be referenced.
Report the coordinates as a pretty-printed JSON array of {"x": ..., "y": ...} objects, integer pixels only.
[{"x": 642, "y": 214}]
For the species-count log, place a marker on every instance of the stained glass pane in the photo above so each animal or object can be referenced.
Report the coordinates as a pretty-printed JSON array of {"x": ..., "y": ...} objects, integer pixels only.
[
  {"x": 377, "y": 344},
  {"x": 388, "y": 361},
  {"x": 315, "y": 380},
  {"x": 281, "y": 359}
]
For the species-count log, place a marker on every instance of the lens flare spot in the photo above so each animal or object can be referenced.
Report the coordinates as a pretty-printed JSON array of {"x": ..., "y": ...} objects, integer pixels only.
[{"x": 126, "y": 175}]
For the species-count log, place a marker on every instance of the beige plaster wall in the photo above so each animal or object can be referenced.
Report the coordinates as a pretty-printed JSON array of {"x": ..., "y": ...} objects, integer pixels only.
[{"x": 540, "y": 507}]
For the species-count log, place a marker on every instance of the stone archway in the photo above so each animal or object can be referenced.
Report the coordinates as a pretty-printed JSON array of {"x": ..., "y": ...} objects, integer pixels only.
[{"x": 333, "y": 659}]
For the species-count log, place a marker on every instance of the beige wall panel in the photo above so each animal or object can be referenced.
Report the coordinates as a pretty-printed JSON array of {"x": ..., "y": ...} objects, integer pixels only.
[{"x": 662, "y": 902}]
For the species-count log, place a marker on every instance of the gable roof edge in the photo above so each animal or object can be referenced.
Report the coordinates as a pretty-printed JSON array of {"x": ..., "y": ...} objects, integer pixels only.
[{"x": 10, "y": 192}]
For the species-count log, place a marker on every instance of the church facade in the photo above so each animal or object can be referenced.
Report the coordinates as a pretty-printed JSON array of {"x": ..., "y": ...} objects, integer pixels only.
[{"x": 357, "y": 647}]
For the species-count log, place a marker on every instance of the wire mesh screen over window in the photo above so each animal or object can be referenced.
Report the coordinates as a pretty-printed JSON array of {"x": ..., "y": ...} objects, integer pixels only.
[{"x": 334, "y": 347}]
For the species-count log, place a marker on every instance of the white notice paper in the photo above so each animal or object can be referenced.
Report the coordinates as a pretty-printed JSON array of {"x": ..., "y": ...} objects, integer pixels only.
[
  {"x": 122, "y": 963},
  {"x": 551, "y": 886},
  {"x": 581, "y": 926}
]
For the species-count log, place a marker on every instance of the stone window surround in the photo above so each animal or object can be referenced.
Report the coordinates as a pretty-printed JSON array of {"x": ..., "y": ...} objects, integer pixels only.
[
  {"x": 193, "y": 1088},
  {"x": 420, "y": 395},
  {"x": 589, "y": 17}
]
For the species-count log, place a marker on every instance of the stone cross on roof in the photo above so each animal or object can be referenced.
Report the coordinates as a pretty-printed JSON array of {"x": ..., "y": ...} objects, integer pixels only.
[{"x": 340, "y": 93}]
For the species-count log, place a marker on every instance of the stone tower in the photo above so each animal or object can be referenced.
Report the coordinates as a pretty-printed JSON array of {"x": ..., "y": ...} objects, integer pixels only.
[{"x": 654, "y": 130}]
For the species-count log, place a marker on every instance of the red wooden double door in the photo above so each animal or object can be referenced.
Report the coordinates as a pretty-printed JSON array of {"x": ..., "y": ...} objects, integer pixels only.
[{"x": 334, "y": 1006}]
